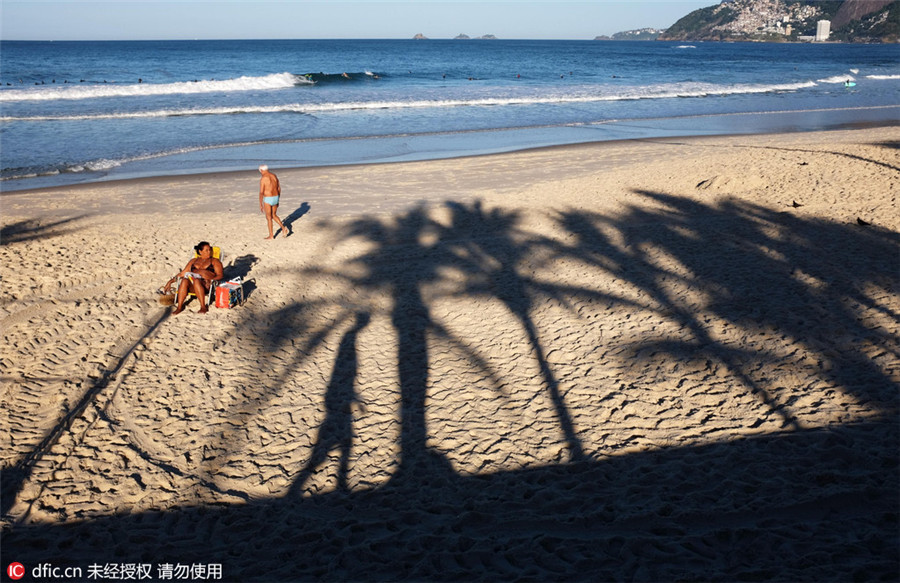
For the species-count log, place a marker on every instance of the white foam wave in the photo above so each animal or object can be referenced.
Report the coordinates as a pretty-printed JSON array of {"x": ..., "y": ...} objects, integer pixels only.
[
  {"x": 683, "y": 90},
  {"x": 30, "y": 175},
  {"x": 289, "y": 108},
  {"x": 93, "y": 91},
  {"x": 628, "y": 95},
  {"x": 883, "y": 77},
  {"x": 102, "y": 164},
  {"x": 837, "y": 79}
]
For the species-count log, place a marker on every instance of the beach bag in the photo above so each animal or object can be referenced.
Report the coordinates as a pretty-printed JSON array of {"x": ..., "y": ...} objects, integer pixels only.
[
  {"x": 166, "y": 297},
  {"x": 230, "y": 294}
]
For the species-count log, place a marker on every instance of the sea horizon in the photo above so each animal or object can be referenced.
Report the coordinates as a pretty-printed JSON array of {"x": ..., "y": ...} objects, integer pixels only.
[{"x": 114, "y": 110}]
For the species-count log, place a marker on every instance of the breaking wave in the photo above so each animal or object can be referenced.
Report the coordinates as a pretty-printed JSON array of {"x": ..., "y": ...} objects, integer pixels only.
[
  {"x": 837, "y": 79},
  {"x": 324, "y": 78},
  {"x": 681, "y": 90},
  {"x": 93, "y": 91}
]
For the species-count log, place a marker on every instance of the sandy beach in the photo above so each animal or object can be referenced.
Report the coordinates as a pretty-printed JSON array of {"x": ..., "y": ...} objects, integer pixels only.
[{"x": 655, "y": 360}]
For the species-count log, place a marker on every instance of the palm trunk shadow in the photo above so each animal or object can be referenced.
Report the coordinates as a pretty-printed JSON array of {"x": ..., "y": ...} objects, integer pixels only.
[
  {"x": 492, "y": 236},
  {"x": 336, "y": 431},
  {"x": 410, "y": 317}
]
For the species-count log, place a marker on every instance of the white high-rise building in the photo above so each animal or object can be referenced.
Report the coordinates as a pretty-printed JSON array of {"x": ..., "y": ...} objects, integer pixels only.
[{"x": 823, "y": 30}]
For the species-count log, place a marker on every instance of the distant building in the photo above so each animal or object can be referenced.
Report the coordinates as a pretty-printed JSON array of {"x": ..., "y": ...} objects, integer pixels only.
[{"x": 823, "y": 30}]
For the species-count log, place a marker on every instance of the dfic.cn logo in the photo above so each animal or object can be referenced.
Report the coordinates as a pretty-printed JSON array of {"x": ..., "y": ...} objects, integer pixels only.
[{"x": 15, "y": 570}]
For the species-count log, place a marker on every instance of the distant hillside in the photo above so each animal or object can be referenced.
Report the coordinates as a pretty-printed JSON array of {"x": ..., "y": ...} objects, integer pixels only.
[
  {"x": 787, "y": 20},
  {"x": 853, "y": 23},
  {"x": 639, "y": 34}
]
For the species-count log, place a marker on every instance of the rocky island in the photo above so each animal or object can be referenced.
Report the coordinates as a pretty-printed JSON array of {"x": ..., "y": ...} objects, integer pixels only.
[{"x": 462, "y": 36}]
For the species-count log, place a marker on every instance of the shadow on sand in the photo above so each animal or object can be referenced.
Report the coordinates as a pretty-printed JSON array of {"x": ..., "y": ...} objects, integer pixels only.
[
  {"x": 30, "y": 229},
  {"x": 804, "y": 503},
  {"x": 296, "y": 215}
]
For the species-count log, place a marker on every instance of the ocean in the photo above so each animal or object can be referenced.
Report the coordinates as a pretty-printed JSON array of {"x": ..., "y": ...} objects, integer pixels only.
[{"x": 76, "y": 112}]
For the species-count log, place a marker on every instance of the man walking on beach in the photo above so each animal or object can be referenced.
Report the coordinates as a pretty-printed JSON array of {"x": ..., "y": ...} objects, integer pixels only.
[{"x": 269, "y": 196}]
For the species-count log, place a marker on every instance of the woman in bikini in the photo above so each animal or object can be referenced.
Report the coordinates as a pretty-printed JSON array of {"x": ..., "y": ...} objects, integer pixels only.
[{"x": 196, "y": 276}]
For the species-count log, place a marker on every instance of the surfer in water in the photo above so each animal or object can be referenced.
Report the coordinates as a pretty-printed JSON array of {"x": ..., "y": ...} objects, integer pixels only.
[{"x": 269, "y": 197}]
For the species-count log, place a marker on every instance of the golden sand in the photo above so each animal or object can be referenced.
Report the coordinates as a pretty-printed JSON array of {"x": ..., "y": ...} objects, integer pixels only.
[{"x": 663, "y": 359}]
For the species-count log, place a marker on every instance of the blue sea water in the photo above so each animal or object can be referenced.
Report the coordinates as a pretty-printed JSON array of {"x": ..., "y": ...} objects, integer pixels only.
[{"x": 74, "y": 112}]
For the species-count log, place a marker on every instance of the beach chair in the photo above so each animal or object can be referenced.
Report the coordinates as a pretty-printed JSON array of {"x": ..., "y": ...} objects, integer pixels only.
[{"x": 211, "y": 296}]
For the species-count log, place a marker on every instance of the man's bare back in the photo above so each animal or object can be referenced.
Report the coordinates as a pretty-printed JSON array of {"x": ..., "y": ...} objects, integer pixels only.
[
  {"x": 269, "y": 198},
  {"x": 269, "y": 185}
]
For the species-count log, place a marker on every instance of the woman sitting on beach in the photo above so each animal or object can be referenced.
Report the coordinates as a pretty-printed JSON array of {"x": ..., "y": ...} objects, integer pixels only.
[{"x": 196, "y": 276}]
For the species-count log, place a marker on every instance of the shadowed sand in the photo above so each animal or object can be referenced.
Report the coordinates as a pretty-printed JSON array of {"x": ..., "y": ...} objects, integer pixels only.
[{"x": 668, "y": 359}]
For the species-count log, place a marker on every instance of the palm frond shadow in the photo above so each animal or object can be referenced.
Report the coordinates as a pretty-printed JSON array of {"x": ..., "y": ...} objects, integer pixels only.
[
  {"x": 806, "y": 502},
  {"x": 30, "y": 229},
  {"x": 761, "y": 269}
]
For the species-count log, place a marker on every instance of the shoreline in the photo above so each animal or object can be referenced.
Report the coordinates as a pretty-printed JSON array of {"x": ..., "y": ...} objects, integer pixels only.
[
  {"x": 661, "y": 359},
  {"x": 230, "y": 192},
  {"x": 201, "y": 175},
  {"x": 743, "y": 123}
]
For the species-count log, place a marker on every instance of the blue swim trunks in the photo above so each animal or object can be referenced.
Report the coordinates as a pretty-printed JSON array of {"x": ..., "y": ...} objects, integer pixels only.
[{"x": 272, "y": 200}]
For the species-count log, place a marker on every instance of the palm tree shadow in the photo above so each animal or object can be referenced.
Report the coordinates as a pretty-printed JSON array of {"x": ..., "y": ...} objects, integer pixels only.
[
  {"x": 807, "y": 504},
  {"x": 336, "y": 431},
  {"x": 492, "y": 263},
  {"x": 407, "y": 254},
  {"x": 761, "y": 270},
  {"x": 290, "y": 323},
  {"x": 30, "y": 229},
  {"x": 400, "y": 265}
]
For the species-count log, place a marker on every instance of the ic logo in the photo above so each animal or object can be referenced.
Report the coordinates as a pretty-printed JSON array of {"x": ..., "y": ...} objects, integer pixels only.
[{"x": 15, "y": 570}]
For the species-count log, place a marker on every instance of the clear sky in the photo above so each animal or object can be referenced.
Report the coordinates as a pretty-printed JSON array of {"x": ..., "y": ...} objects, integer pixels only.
[{"x": 302, "y": 19}]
